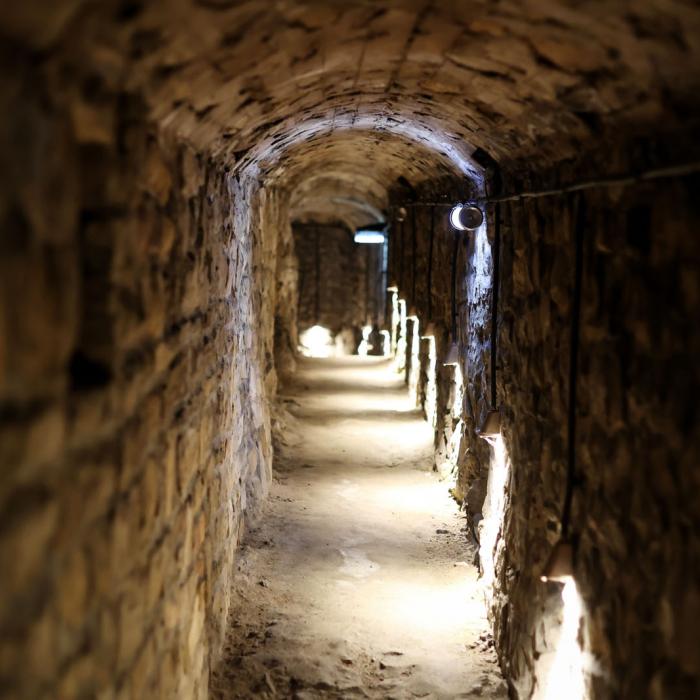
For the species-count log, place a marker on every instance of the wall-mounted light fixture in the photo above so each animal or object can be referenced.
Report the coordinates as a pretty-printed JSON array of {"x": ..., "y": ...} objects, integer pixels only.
[
  {"x": 466, "y": 217},
  {"x": 491, "y": 427},
  {"x": 452, "y": 357},
  {"x": 368, "y": 237},
  {"x": 372, "y": 233},
  {"x": 429, "y": 331},
  {"x": 560, "y": 565}
]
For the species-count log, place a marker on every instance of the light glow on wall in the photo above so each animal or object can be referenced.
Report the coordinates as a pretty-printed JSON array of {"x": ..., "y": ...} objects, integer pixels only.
[
  {"x": 565, "y": 678},
  {"x": 493, "y": 511},
  {"x": 317, "y": 341},
  {"x": 457, "y": 393},
  {"x": 431, "y": 384},
  {"x": 455, "y": 403},
  {"x": 365, "y": 346},
  {"x": 401, "y": 341},
  {"x": 395, "y": 319},
  {"x": 386, "y": 343},
  {"x": 414, "y": 374}
]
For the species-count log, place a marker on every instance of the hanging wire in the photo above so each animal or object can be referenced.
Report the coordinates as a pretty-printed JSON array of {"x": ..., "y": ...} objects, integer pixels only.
[
  {"x": 455, "y": 251},
  {"x": 384, "y": 277},
  {"x": 400, "y": 251},
  {"x": 494, "y": 300},
  {"x": 579, "y": 228},
  {"x": 414, "y": 250},
  {"x": 430, "y": 263},
  {"x": 317, "y": 270},
  {"x": 613, "y": 181},
  {"x": 367, "y": 254}
]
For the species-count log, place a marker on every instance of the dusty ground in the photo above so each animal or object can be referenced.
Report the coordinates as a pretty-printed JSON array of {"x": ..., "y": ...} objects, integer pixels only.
[{"x": 359, "y": 581}]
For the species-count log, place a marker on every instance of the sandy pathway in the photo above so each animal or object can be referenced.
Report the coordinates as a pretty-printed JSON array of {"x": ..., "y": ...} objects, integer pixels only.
[{"x": 358, "y": 581}]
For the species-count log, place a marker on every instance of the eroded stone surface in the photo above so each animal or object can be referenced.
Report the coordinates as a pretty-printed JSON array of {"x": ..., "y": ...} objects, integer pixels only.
[
  {"x": 149, "y": 156},
  {"x": 635, "y": 483},
  {"x": 135, "y": 435}
]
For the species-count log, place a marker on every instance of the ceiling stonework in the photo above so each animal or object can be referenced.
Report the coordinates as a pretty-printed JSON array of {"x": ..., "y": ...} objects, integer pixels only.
[{"x": 370, "y": 90}]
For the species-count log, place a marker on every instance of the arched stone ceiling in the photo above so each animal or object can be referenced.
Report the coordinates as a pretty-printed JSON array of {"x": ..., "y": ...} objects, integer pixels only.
[
  {"x": 384, "y": 154},
  {"x": 352, "y": 198},
  {"x": 519, "y": 78},
  {"x": 290, "y": 81},
  {"x": 333, "y": 173}
]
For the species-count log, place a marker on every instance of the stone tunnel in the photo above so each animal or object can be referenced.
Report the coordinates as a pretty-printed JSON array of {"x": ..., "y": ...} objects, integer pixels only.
[{"x": 244, "y": 455}]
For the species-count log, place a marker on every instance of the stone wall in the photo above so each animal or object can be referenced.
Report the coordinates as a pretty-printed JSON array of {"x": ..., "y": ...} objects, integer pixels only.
[
  {"x": 635, "y": 511},
  {"x": 138, "y": 285},
  {"x": 635, "y": 507},
  {"x": 421, "y": 267},
  {"x": 286, "y": 281},
  {"x": 137, "y": 300},
  {"x": 339, "y": 280}
]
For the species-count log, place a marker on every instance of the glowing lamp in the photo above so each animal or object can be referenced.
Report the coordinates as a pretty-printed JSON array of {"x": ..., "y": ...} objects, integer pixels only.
[
  {"x": 393, "y": 289},
  {"x": 368, "y": 236},
  {"x": 452, "y": 357},
  {"x": 491, "y": 427},
  {"x": 371, "y": 233},
  {"x": 429, "y": 331},
  {"x": 466, "y": 217},
  {"x": 401, "y": 214},
  {"x": 560, "y": 565}
]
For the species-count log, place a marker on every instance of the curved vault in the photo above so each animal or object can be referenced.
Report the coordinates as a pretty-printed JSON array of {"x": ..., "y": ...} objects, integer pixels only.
[
  {"x": 533, "y": 81},
  {"x": 272, "y": 84},
  {"x": 345, "y": 174},
  {"x": 518, "y": 79}
]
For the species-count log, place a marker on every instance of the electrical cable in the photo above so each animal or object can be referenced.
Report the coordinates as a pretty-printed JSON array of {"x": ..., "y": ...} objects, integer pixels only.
[
  {"x": 494, "y": 300},
  {"x": 400, "y": 251},
  {"x": 414, "y": 249},
  {"x": 573, "y": 367},
  {"x": 613, "y": 181},
  {"x": 430, "y": 263},
  {"x": 455, "y": 251},
  {"x": 317, "y": 266},
  {"x": 367, "y": 283}
]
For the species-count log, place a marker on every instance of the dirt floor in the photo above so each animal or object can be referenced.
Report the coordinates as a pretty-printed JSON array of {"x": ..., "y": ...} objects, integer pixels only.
[{"x": 358, "y": 581}]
